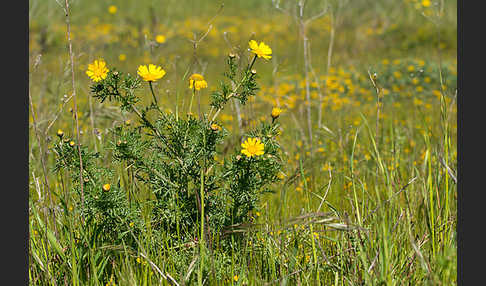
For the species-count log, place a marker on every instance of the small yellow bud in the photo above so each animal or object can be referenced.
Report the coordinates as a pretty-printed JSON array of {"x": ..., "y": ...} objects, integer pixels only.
[
  {"x": 276, "y": 112},
  {"x": 106, "y": 187},
  {"x": 60, "y": 133},
  {"x": 215, "y": 127},
  {"x": 71, "y": 143}
]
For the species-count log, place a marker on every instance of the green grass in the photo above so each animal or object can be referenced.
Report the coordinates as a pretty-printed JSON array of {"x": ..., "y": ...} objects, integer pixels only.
[{"x": 369, "y": 208}]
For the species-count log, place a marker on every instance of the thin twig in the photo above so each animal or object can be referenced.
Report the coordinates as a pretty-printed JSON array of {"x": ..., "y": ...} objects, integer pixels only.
[{"x": 81, "y": 181}]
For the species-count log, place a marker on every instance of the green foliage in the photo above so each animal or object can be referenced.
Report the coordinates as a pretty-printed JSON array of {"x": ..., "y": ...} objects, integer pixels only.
[
  {"x": 107, "y": 210},
  {"x": 240, "y": 89},
  {"x": 168, "y": 154}
]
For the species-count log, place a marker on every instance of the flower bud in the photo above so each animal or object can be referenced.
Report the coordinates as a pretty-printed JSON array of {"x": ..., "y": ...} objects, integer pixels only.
[
  {"x": 276, "y": 112},
  {"x": 106, "y": 187},
  {"x": 215, "y": 127},
  {"x": 60, "y": 133}
]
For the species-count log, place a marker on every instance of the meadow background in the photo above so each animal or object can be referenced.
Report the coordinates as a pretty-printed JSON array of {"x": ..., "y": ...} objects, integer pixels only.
[{"x": 368, "y": 190}]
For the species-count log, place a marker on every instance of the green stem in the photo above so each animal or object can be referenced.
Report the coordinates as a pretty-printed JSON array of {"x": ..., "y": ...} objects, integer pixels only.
[
  {"x": 153, "y": 93},
  {"x": 192, "y": 97}
]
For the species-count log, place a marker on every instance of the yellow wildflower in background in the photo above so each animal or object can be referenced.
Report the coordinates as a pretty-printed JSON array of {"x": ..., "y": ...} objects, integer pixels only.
[
  {"x": 261, "y": 50},
  {"x": 197, "y": 82},
  {"x": 112, "y": 9},
  {"x": 97, "y": 70},
  {"x": 150, "y": 73},
  {"x": 252, "y": 147},
  {"x": 235, "y": 278},
  {"x": 160, "y": 39},
  {"x": 426, "y": 3},
  {"x": 122, "y": 57}
]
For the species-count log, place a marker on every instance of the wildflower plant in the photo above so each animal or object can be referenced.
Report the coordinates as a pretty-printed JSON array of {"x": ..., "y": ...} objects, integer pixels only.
[{"x": 175, "y": 157}]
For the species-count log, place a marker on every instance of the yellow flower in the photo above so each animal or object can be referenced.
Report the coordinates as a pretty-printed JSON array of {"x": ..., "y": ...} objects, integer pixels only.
[
  {"x": 122, "y": 57},
  {"x": 261, "y": 50},
  {"x": 437, "y": 93},
  {"x": 252, "y": 147},
  {"x": 112, "y": 9},
  {"x": 397, "y": 74},
  {"x": 215, "y": 127},
  {"x": 106, "y": 187},
  {"x": 97, "y": 70},
  {"x": 160, "y": 39},
  {"x": 150, "y": 73},
  {"x": 139, "y": 260},
  {"x": 426, "y": 3},
  {"x": 197, "y": 82},
  {"x": 411, "y": 68},
  {"x": 60, "y": 133},
  {"x": 71, "y": 143},
  {"x": 276, "y": 112},
  {"x": 235, "y": 278}
]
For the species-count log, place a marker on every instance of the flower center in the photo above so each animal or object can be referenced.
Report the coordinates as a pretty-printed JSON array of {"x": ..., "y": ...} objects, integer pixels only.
[{"x": 252, "y": 149}]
